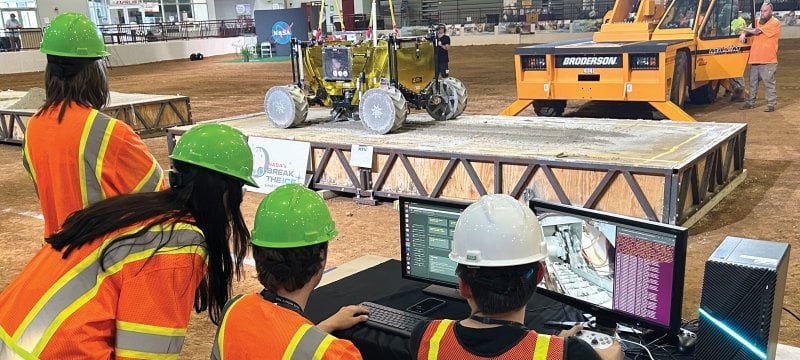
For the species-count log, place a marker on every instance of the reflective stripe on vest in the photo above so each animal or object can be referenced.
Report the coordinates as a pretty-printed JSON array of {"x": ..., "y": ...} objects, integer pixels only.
[
  {"x": 152, "y": 180},
  {"x": 94, "y": 141},
  {"x": 216, "y": 349},
  {"x": 433, "y": 351},
  {"x": 441, "y": 340},
  {"x": 9, "y": 350},
  {"x": 308, "y": 343},
  {"x": 81, "y": 283},
  {"x": 542, "y": 346},
  {"x": 26, "y": 163},
  {"x": 145, "y": 341}
]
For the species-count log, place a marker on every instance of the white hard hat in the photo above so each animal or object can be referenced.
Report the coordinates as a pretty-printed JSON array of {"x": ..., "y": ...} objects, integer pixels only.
[{"x": 495, "y": 231}]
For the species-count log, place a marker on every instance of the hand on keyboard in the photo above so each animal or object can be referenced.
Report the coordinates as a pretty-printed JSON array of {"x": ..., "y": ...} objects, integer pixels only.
[
  {"x": 345, "y": 318},
  {"x": 396, "y": 321}
]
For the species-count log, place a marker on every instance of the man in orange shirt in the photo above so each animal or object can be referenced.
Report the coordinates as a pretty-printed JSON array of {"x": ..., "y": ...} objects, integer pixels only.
[
  {"x": 75, "y": 154},
  {"x": 763, "y": 57}
]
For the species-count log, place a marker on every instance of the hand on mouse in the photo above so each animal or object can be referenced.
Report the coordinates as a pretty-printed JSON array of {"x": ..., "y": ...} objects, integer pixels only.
[{"x": 345, "y": 318}]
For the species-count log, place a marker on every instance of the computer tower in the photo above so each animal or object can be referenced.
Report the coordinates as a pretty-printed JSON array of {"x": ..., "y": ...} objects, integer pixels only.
[{"x": 740, "y": 308}]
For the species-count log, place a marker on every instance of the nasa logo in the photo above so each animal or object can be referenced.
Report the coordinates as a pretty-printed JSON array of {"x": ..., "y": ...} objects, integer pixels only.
[{"x": 282, "y": 32}]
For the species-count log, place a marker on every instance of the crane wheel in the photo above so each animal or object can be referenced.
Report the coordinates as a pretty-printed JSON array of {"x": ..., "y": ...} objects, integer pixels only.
[{"x": 552, "y": 108}]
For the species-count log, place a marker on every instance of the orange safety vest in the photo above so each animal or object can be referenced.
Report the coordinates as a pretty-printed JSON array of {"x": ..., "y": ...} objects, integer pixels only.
[
  {"x": 138, "y": 307},
  {"x": 439, "y": 342},
  {"x": 86, "y": 158},
  {"x": 254, "y": 328}
]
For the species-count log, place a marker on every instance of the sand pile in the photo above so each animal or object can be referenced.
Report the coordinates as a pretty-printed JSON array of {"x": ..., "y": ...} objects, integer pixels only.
[{"x": 34, "y": 99}]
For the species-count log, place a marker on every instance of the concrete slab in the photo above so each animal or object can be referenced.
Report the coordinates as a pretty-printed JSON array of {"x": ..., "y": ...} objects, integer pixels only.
[{"x": 658, "y": 144}]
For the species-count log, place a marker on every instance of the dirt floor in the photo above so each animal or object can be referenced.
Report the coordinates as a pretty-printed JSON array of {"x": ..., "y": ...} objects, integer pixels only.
[{"x": 765, "y": 206}]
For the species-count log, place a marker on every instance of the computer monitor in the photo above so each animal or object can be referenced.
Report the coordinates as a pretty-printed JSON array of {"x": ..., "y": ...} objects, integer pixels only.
[
  {"x": 618, "y": 268},
  {"x": 426, "y": 234}
]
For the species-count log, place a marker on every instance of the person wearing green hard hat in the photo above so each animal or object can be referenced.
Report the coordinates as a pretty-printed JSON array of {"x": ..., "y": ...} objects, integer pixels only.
[
  {"x": 290, "y": 246},
  {"x": 119, "y": 280},
  {"x": 75, "y": 154}
]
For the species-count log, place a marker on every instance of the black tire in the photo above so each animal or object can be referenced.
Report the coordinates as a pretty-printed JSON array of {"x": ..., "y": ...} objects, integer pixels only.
[
  {"x": 552, "y": 108},
  {"x": 449, "y": 101},
  {"x": 193, "y": 57},
  {"x": 705, "y": 94},
  {"x": 199, "y": 56},
  {"x": 680, "y": 76}
]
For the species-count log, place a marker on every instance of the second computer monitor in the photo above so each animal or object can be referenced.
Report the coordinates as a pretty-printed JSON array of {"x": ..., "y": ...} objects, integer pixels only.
[
  {"x": 426, "y": 234},
  {"x": 619, "y": 268}
]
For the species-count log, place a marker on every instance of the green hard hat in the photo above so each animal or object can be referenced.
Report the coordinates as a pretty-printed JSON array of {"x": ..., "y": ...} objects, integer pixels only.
[
  {"x": 73, "y": 35},
  {"x": 292, "y": 216},
  {"x": 218, "y": 147}
]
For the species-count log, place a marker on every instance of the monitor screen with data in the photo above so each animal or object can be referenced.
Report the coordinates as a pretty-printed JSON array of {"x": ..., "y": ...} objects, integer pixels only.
[
  {"x": 627, "y": 270},
  {"x": 426, "y": 233}
]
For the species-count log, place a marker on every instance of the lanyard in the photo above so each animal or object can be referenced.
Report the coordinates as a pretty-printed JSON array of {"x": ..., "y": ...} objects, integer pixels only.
[
  {"x": 490, "y": 321},
  {"x": 281, "y": 301}
]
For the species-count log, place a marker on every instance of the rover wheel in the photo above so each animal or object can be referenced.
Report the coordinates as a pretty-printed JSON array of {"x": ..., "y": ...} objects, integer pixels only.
[
  {"x": 382, "y": 110},
  {"x": 286, "y": 106},
  {"x": 455, "y": 97}
]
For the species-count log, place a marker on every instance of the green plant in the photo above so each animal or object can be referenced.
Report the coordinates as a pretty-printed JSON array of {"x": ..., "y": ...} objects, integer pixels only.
[{"x": 246, "y": 53}]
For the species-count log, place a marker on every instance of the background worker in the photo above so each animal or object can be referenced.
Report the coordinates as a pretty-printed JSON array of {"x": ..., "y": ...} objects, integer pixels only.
[
  {"x": 763, "y": 57},
  {"x": 119, "y": 279},
  {"x": 499, "y": 247},
  {"x": 737, "y": 24},
  {"x": 290, "y": 246},
  {"x": 13, "y": 25},
  {"x": 76, "y": 155},
  {"x": 442, "y": 52}
]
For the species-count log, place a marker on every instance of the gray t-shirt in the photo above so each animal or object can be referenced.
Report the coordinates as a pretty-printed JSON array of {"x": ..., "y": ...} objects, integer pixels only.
[{"x": 12, "y": 26}]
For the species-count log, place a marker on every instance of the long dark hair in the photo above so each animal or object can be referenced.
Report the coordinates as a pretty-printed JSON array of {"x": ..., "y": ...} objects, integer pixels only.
[
  {"x": 74, "y": 80},
  {"x": 212, "y": 199}
]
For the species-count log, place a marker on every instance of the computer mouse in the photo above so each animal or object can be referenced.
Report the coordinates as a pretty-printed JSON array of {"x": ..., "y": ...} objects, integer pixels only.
[{"x": 686, "y": 341}]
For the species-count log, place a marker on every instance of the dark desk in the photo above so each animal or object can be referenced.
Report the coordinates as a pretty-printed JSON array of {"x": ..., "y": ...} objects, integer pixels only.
[{"x": 383, "y": 284}]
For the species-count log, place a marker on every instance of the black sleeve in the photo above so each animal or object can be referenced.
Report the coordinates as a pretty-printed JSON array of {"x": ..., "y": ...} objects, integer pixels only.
[
  {"x": 577, "y": 349},
  {"x": 445, "y": 40},
  {"x": 416, "y": 338}
]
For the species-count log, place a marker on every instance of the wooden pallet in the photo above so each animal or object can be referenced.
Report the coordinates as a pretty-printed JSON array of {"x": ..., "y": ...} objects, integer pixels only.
[{"x": 145, "y": 113}]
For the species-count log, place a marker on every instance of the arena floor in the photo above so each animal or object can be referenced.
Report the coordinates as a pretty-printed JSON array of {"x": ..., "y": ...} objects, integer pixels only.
[{"x": 765, "y": 206}]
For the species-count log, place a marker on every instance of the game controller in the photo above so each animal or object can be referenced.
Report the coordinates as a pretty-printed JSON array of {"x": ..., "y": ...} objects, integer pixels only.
[
  {"x": 595, "y": 339},
  {"x": 686, "y": 341}
]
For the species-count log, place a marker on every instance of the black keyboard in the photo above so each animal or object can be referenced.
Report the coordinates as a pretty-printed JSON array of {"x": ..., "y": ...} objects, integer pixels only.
[{"x": 399, "y": 322}]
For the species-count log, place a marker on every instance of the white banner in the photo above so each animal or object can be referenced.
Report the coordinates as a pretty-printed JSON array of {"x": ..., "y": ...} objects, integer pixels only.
[{"x": 277, "y": 162}]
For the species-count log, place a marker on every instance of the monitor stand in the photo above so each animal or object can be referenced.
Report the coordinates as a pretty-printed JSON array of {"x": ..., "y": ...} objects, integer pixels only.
[{"x": 443, "y": 291}]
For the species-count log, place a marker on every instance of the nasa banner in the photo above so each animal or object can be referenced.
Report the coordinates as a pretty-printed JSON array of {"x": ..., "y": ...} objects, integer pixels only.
[
  {"x": 278, "y": 27},
  {"x": 277, "y": 162}
]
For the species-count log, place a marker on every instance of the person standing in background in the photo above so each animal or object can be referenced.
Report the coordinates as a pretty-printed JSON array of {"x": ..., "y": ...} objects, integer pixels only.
[
  {"x": 442, "y": 52},
  {"x": 763, "y": 57},
  {"x": 12, "y": 26}
]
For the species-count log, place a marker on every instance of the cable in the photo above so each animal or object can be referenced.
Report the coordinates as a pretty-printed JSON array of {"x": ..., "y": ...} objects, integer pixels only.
[
  {"x": 793, "y": 314},
  {"x": 644, "y": 347}
]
